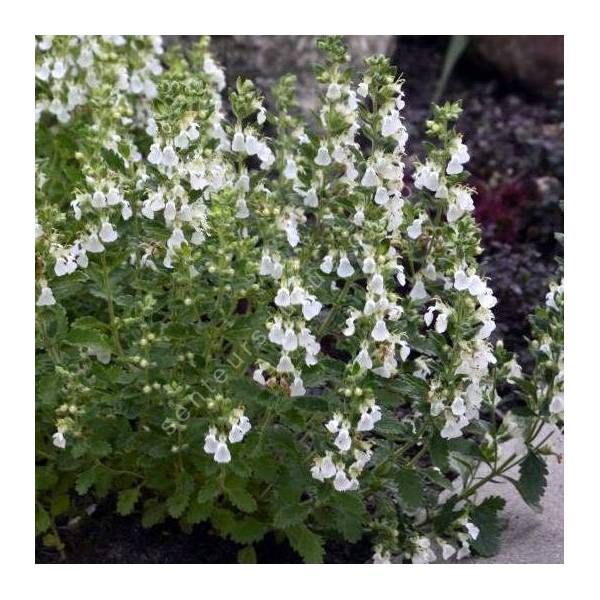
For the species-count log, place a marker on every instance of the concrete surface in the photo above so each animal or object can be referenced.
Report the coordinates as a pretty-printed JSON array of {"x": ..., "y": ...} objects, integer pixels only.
[{"x": 530, "y": 537}]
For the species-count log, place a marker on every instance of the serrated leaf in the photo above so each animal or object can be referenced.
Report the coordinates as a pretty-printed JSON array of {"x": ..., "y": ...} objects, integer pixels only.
[
  {"x": 438, "y": 451},
  {"x": 208, "y": 491},
  {"x": 289, "y": 514},
  {"x": 197, "y": 513},
  {"x": 85, "y": 480},
  {"x": 306, "y": 543},
  {"x": 177, "y": 503},
  {"x": 485, "y": 516},
  {"x": 248, "y": 530},
  {"x": 80, "y": 336},
  {"x": 239, "y": 496},
  {"x": 42, "y": 520},
  {"x": 126, "y": 500},
  {"x": 410, "y": 488},
  {"x": 154, "y": 513},
  {"x": 532, "y": 480},
  {"x": 247, "y": 556}
]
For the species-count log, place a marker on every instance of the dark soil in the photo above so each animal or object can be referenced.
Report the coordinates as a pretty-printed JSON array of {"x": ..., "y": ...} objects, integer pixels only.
[
  {"x": 516, "y": 144},
  {"x": 105, "y": 537}
]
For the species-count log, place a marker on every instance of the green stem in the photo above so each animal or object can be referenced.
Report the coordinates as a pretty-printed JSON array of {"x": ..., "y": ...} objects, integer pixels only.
[{"x": 111, "y": 309}]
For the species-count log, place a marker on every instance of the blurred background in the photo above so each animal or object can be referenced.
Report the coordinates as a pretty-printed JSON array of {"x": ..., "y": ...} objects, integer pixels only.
[{"x": 512, "y": 93}]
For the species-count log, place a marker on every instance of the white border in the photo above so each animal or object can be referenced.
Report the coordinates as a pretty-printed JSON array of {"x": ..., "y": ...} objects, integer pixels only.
[{"x": 307, "y": 17}]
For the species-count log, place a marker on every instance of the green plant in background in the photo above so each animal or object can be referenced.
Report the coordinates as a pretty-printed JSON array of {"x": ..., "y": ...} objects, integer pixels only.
[{"x": 246, "y": 321}]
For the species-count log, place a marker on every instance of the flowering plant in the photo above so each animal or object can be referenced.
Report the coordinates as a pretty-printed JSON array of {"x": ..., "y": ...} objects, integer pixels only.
[{"x": 246, "y": 319}]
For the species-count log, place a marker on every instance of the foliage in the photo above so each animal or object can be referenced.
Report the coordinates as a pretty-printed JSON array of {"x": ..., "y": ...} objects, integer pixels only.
[{"x": 246, "y": 320}]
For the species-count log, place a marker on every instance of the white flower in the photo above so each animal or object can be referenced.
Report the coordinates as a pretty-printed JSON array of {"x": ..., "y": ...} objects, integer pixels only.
[
  {"x": 222, "y": 454},
  {"x": 46, "y": 297},
  {"x": 414, "y": 230},
  {"x": 327, "y": 264},
  {"x": 370, "y": 178},
  {"x": 311, "y": 308},
  {"x": 210, "y": 441},
  {"x": 334, "y": 91},
  {"x": 285, "y": 364},
  {"x": 291, "y": 169},
  {"x": 362, "y": 89},
  {"x": 343, "y": 440},
  {"x": 297, "y": 387},
  {"x": 98, "y": 199},
  {"x": 363, "y": 359},
  {"x": 341, "y": 482},
  {"x": 169, "y": 157},
  {"x": 380, "y": 332},
  {"x": 461, "y": 281},
  {"x": 369, "y": 265},
  {"x": 458, "y": 407},
  {"x": 448, "y": 551},
  {"x": 327, "y": 467},
  {"x": 441, "y": 323},
  {"x": 391, "y": 124},
  {"x": 365, "y": 422},
  {"x": 58, "y": 439},
  {"x": 345, "y": 268},
  {"x": 333, "y": 424},
  {"x": 472, "y": 529},
  {"x": 238, "y": 144},
  {"x": 92, "y": 244},
  {"x": 182, "y": 141},
  {"x": 252, "y": 145},
  {"x": 170, "y": 211},
  {"x": 557, "y": 404},
  {"x": 155, "y": 157},
  {"x": 381, "y": 196},
  {"x": 310, "y": 199},
  {"x": 427, "y": 176},
  {"x": 108, "y": 232},
  {"x": 283, "y": 298},
  {"x": 126, "y": 211},
  {"x": 323, "y": 159},
  {"x": 290, "y": 340},
  {"x": 261, "y": 116},
  {"x": 381, "y": 558},
  {"x": 418, "y": 291},
  {"x": 259, "y": 376},
  {"x": 359, "y": 217}
]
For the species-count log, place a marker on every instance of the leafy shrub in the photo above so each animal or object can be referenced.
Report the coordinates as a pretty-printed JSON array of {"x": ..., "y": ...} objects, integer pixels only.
[{"x": 248, "y": 320}]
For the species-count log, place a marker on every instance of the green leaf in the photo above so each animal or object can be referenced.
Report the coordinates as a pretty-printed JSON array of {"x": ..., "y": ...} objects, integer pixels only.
[
  {"x": 532, "y": 480},
  {"x": 290, "y": 514},
  {"x": 80, "y": 336},
  {"x": 42, "y": 520},
  {"x": 410, "y": 488},
  {"x": 154, "y": 513},
  {"x": 438, "y": 451},
  {"x": 239, "y": 496},
  {"x": 485, "y": 516},
  {"x": 60, "y": 504},
  {"x": 248, "y": 530},
  {"x": 85, "y": 480},
  {"x": 197, "y": 513},
  {"x": 45, "y": 478},
  {"x": 306, "y": 543},
  {"x": 247, "y": 556},
  {"x": 113, "y": 160},
  {"x": 208, "y": 491},
  {"x": 126, "y": 500}
]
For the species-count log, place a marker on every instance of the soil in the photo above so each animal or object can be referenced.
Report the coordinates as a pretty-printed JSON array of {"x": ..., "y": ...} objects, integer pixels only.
[{"x": 105, "y": 538}]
